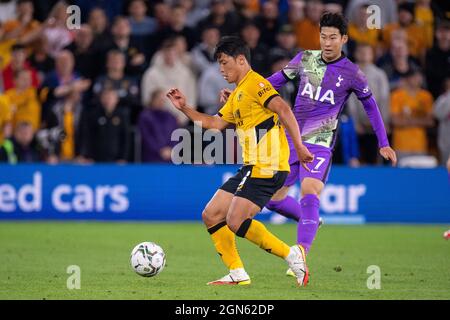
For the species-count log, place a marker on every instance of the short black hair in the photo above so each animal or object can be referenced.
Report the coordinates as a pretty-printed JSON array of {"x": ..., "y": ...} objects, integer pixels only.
[
  {"x": 335, "y": 20},
  {"x": 19, "y": 2},
  {"x": 232, "y": 46},
  {"x": 17, "y": 47}
]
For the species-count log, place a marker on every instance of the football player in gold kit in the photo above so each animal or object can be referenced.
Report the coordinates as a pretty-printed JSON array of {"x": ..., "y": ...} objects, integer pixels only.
[{"x": 260, "y": 116}]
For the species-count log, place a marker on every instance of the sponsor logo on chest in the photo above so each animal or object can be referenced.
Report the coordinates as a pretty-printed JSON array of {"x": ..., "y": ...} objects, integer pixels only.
[{"x": 318, "y": 94}]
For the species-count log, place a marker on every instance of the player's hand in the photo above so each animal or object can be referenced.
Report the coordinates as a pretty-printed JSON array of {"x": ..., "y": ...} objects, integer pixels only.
[
  {"x": 224, "y": 95},
  {"x": 389, "y": 154},
  {"x": 177, "y": 98},
  {"x": 305, "y": 156}
]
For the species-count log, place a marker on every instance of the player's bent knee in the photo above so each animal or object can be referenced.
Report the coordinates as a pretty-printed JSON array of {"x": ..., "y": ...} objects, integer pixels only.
[
  {"x": 312, "y": 186},
  {"x": 234, "y": 222},
  {"x": 211, "y": 217}
]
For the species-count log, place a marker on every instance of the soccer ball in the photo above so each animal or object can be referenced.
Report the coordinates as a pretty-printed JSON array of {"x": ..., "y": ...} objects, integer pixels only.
[{"x": 147, "y": 259}]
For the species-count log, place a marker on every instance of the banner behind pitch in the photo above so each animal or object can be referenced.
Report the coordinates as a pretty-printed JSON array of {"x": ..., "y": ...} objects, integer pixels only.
[{"x": 167, "y": 192}]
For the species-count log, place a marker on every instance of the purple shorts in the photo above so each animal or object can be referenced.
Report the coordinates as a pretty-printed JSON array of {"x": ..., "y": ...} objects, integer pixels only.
[{"x": 320, "y": 167}]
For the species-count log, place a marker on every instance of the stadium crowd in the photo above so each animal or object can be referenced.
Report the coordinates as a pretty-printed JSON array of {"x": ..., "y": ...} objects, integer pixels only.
[{"x": 97, "y": 93}]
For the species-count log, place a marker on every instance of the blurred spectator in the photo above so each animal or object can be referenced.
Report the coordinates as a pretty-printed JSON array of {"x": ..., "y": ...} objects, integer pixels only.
[
  {"x": 283, "y": 8},
  {"x": 296, "y": 11},
  {"x": 88, "y": 61},
  {"x": 397, "y": 62},
  {"x": 247, "y": 9},
  {"x": 359, "y": 32},
  {"x": 258, "y": 51},
  {"x": 24, "y": 101},
  {"x": 5, "y": 118},
  {"x": 437, "y": 60},
  {"x": 177, "y": 26},
  {"x": 181, "y": 53},
  {"x": 379, "y": 85},
  {"x": 18, "y": 63},
  {"x": 141, "y": 23},
  {"x": 42, "y": 8},
  {"x": 289, "y": 91},
  {"x": 227, "y": 21},
  {"x": 388, "y": 10},
  {"x": 203, "y": 53},
  {"x": 126, "y": 87},
  {"x": 5, "y": 51},
  {"x": 195, "y": 13},
  {"x": 7, "y": 10},
  {"x": 442, "y": 113},
  {"x": 55, "y": 29},
  {"x": 107, "y": 131},
  {"x": 156, "y": 126},
  {"x": 307, "y": 29},
  {"x": 286, "y": 44},
  {"x": 415, "y": 34},
  {"x": 333, "y": 6},
  {"x": 168, "y": 73},
  {"x": 347, "y": 146},
  {"x": 111, "y": 8},
  {"x": 411, "y": 114},
  {"x": 121, "y": 40},
  {"x": 63, "y": 81},
  {"x": 209, "y": 85},
  {"x": 184, "y": 56},
  {"x": 162, "y": 13},
  {"x": 268, "y": 23},
  {"x": 99, "y": 25},
  {"x": 62, "y": 136},
  {"x": 23, "y": 28},
  {"x": 22, "y": 147},
  {"x": 40, "y": 59},
  {"x": 424, "y": 18}
]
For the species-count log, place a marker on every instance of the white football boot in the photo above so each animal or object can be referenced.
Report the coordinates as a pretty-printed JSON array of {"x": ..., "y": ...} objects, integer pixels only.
[
  {"x": 235, "y": 277},
  {"x": 289, "y": 271},
  {"x": 297, "y": 264}
]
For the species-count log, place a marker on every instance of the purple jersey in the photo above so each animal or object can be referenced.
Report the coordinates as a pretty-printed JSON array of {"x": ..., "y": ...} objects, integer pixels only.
[{"x": 323, "y": 90}]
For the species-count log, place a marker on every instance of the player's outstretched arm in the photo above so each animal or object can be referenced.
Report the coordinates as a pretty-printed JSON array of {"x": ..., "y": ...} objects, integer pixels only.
[
  {"x": 204, "y": 120},
  {"x": 288, "y": 120},
  {"x": 374, "y": 115}
]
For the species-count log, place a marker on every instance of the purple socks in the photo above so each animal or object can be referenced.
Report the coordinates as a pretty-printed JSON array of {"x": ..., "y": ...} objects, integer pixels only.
[
  {"x": 309, "y": 223},
  {"x": 288, "y": 207},
  {"x": 306, "y": 213}
]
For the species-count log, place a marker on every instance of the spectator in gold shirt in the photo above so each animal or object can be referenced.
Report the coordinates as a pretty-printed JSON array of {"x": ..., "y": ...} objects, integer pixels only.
[
  {"x": 411, "y": 114},
  {"x": 24, "y": 100},
  {"x": 5, "y": 118},
  {"x": 415, "y": 33},
  {"x": 360, "y": 33},
  {"x": 307, "y": 30}
]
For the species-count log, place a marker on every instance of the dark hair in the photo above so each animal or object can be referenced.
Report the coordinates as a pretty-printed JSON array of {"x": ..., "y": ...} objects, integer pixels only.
[
  {"x": 409, "y": 7},
  {"x": 335, "y": 20},
  {"x": 232, "y": 46},
  {"x": 168, "y": 43},
  {"x": 17, "y": 47},
  {"x": 19, "y": 2}
]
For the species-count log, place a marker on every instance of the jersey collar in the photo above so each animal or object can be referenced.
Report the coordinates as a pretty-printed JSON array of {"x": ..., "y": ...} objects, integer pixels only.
[
  {"x": 334, "y": 61},
  {"x": 245, "y": 78}
]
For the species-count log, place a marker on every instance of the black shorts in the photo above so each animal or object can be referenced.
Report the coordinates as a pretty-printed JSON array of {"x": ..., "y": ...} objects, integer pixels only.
[{"x": 257, "y": 190}]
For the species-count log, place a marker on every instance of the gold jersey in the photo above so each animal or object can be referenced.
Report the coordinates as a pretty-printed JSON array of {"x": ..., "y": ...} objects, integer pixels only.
[{"x": 262, "y": 138}]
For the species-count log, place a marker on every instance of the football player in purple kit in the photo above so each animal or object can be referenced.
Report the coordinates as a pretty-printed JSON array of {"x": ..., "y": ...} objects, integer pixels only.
[{"x": 327, "y": 78}]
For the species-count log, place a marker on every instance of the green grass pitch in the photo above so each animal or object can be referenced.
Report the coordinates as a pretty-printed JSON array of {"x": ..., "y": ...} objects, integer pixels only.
[{"x": 414, "y": 262}]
